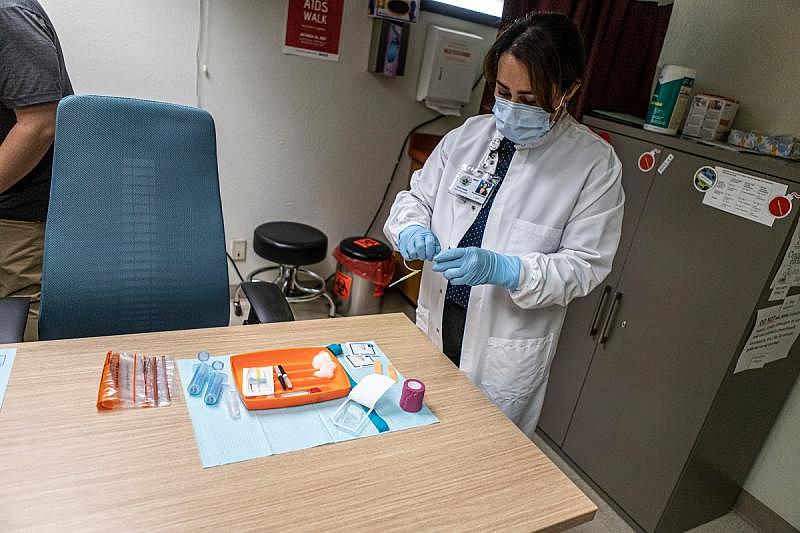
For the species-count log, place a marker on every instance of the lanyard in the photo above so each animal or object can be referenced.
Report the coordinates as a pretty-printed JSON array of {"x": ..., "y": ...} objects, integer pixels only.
[
  {"x": 489, "y": 161},
  {"x": 478, "y": 183}
]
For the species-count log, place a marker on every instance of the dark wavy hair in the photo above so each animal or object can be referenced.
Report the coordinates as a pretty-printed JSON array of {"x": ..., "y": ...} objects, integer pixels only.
[{"x": 550, "y": 45}]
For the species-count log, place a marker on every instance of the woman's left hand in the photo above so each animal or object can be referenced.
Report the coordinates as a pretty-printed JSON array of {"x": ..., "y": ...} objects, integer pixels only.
[{"x": 477, "y": 266}]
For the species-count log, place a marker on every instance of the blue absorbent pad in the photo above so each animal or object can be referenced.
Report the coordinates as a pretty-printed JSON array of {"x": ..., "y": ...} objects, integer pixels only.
[
  {"x": 222, "y": 439},
  {"x": 6, "y": 362}
]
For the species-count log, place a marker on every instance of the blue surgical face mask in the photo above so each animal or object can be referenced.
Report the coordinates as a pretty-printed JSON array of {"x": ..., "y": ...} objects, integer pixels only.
[{"x": 520, "y": 123}]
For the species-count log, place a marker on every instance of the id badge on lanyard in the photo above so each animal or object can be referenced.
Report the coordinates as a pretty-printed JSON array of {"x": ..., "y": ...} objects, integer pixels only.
[
  {"x": 473, "y": 184},
  {"x": 476, "y": 183}
]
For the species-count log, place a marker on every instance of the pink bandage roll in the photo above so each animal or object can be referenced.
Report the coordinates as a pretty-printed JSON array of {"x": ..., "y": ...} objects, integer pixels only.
[{"x": 411, "y": 398}]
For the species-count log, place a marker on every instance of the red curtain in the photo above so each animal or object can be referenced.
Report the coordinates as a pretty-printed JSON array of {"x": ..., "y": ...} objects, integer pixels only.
[{"x": 623, "y": 40}]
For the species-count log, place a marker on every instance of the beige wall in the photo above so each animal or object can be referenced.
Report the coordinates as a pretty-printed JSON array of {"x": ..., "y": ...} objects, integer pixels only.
[
  {"x": 775, "y": 477},
  {"x": 298, "y": 138},
  {"x": 746, "y": 49}
]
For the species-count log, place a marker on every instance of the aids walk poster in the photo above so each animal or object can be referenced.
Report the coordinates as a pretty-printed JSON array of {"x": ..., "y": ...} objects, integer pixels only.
[{"x": 313, "y": 28}]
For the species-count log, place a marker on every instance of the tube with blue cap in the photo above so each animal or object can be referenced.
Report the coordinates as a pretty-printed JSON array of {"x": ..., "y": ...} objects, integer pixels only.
[
  {"x": 215, "y": 384},
  {"x": 201, "y": 374}
]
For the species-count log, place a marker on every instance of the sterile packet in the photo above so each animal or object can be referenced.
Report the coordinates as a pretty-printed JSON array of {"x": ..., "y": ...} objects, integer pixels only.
[
  {"x": 136, "y": 380},
  {"x": 258, "y": 381}
]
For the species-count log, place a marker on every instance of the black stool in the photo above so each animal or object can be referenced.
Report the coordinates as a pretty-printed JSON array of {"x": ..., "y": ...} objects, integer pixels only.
[{"x": 292, "y": 246}]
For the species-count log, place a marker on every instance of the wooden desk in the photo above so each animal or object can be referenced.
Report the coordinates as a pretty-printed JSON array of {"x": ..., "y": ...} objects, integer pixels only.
[{"x": 65, "y": 466}]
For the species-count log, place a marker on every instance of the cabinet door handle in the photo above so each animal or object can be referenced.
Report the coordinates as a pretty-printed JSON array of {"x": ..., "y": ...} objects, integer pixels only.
[
  {"x": 598, "y": 311},
  {"x": 610, "y": 318}
]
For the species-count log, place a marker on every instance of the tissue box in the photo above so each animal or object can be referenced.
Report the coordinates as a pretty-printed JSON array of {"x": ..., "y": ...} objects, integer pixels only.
[
  {"x": 786, "y": 146},
  {"x": 710, "y": 116}
]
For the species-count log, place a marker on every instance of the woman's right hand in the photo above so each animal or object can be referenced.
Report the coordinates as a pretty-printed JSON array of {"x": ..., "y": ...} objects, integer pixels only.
[{"x": 416, "y": 242}]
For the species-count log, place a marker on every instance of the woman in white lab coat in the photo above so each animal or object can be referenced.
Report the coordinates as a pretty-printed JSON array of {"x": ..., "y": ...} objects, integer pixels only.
[{"x": 515, "y": 214}]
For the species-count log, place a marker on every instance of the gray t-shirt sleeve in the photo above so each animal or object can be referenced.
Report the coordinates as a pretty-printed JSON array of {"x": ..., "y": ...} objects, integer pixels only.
[{"x": 29, "y": 66}]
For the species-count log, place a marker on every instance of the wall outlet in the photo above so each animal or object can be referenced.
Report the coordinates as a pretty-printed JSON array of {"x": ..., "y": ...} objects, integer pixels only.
[{"x": 239, "y": 249}]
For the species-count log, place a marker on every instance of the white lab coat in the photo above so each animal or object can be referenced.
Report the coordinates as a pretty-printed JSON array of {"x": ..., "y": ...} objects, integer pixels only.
[{"x": 559, "y": 209}]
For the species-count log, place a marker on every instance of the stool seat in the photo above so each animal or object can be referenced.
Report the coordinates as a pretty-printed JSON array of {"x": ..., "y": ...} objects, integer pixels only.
[
  {"x": 290, "y": 243},
  {"x": 292, "y": 246}
]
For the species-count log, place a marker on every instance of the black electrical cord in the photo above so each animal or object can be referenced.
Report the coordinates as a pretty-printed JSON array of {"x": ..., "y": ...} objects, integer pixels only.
[
  {"x": 400, "y": 157},
  {"x": 233, "y": 264},
  {"x": 397, "y": 164},
  {"x": 477, "y": 82}
]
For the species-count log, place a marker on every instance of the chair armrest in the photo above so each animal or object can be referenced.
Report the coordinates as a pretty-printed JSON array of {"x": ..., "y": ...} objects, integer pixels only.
[
  {"x": 13, "y": 317},
  {"x": 267, "y": 303}
]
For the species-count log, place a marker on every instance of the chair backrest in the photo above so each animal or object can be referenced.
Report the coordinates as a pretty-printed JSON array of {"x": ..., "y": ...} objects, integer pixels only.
[{"x": 134, "y": 240}]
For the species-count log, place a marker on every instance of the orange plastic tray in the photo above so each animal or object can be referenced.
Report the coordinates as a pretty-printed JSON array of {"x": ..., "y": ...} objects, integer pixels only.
[{"x": 296, "y": 362}]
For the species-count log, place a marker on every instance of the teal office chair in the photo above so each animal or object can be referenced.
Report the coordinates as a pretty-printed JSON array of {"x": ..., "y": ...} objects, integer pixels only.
[{"x": 134, "y": 240}]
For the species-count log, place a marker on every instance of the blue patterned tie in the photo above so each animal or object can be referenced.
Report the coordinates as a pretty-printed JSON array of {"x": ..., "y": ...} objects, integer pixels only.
[{"x": 459, "y": 294}]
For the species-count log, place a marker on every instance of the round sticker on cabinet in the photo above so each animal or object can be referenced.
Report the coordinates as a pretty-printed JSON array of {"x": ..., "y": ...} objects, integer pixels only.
[
  {"x": 780, "y": 206},
  {"x": 705, "y": 178},
  {"x": 647, "y": 161}
]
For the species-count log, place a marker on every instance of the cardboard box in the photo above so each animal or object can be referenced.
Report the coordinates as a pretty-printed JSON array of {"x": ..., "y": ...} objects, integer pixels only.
[{"x": 710, "y": 116}]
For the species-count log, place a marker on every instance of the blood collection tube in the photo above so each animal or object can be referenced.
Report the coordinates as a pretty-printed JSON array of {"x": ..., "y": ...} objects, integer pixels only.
[
  {"x": 215, "y": 383},
  {"x": 199, "y": 379}
]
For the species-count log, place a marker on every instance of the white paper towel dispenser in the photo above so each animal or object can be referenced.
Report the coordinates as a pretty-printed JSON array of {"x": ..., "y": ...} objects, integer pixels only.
[{"x": 449, "y": 67}]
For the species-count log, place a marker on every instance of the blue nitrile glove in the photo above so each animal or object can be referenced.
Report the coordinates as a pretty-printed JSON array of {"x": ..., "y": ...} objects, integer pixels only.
[
  {"x": 416, "y": 242},
  {"x": 476, "y": 266}
]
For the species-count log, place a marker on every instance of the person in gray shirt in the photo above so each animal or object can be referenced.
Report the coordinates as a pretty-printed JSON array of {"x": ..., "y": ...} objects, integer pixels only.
[{"x": 33, "y": 78}]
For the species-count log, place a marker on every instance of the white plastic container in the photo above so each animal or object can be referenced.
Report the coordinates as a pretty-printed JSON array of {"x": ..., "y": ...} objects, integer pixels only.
[{"x": 670, "y": 99}]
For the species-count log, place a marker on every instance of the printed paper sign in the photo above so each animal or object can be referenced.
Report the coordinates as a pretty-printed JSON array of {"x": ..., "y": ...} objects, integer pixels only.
[
  {"x": 791, "y": 303},
  {"x": 313, "y": 28},
  {"x": 779, "y": 292},
  {"x": 775, "y": 331},
  {"x": 788, "y": 274},
  {"x": 743, "y": 195}
]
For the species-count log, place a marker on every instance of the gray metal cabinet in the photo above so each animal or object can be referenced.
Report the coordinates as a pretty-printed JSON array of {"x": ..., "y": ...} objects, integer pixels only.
[
  {"x": 653, "y": 414},
  {"x": 576, "y": 350}
]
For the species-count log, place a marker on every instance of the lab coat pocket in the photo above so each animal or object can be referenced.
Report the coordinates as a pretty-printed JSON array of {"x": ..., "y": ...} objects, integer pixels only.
[
  {"x": 423, "y": 316},
  {"x": 515, "y": 367},
  {"x": 526, "y": 237}
]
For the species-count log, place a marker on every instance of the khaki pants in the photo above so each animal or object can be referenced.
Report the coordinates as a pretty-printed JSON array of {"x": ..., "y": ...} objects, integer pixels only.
[{"x": 21, "y": 249}]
